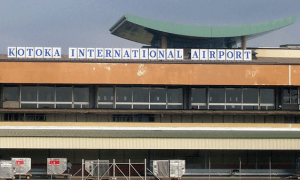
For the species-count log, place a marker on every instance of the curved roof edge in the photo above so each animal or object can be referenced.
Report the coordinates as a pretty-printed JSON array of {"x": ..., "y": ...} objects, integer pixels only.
[{"x": 206, "y": 31}]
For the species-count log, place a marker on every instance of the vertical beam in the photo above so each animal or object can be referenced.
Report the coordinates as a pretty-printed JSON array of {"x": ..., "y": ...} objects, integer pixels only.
[
  {"x": 82, "y": 169},
  {"x": 114, "y": 169},
  {"x": 98, "y": 168},
  {"x": 240, "y": 168},
  {"x": 270, "y": 166},
  {"x": 145, "y": 169},
  {"x": 209, "y": 168},
  {"x": 244, "y": 42},
  {"x": 164, "y": 41}
]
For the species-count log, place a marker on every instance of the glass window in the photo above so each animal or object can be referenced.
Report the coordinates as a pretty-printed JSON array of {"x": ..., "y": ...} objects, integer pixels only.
[
  {"x": 216, "y": 107},
  {"x": 233, "y": 95},
  {"x": 124, "y": 94},
  {"x": 174, "y": 106},
  {"x": 81, "y": 94},
  {"x": 122, "y": 106},
  {"x": 63, "y": 106},
  {"x": 11, "y": 93},
  {"x": 250, "y": 107},
  {"x": 140, "y": 106},
  {"x": 140, "y": 94},
  {"x": 28, "y": 106},
  {"x": 233, "y": 107},
  {"x": 63, "y": 94},
  {"x": 294, "y": 95},
  {"x": 290, "y": 95},
  {"x": 105, "y": 94},
  {"x": 175, "y": 95},
  {"x": 47, "y": 93},
  {"x": 250, "y": 95},
  {"x": 267, "y": 96},
  {"x": 28, "y": 93},
  {"x": 286, "y": 95},
  {"x": 46, "y": 106},
  {"x": 105, "y": 106},
  {"x": 157, "y": 95},
  {"x": 157, "y": 106},
  {"x": 198, "y": 95},
  {"x": 216, "y": 95}
]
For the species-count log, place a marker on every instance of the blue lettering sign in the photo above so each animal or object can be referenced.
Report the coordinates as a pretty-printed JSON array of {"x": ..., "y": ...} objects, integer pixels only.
[
  {"x": 170, "y": 55},
  {"x": 212, "y": 55},
  {"x": 195, "y": 55},
  {"x": 11, "y": 52},
  {"x": 47, "y": 52},
  {"x": 22, "y": 52},
  {"x": 152, "y": 54}
]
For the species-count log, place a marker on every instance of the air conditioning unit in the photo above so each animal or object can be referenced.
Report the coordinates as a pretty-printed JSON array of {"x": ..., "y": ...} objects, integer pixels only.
[{"x": 10, "y": 104}]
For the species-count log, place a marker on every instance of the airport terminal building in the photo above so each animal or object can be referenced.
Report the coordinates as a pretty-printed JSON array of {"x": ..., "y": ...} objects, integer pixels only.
[{"x": 212, "y": 113}]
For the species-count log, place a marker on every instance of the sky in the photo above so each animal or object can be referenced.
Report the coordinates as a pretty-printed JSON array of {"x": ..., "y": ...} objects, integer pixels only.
[{"x": 82, "y": 23}]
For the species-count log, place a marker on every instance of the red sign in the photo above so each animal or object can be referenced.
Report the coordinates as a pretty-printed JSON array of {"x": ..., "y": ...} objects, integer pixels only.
[
  {"x": 20, "y": 162},
  {"x": 54, "y": 163}
]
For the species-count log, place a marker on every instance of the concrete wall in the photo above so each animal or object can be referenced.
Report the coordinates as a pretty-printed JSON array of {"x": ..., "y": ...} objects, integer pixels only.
[{"x": 144, "y": 74}]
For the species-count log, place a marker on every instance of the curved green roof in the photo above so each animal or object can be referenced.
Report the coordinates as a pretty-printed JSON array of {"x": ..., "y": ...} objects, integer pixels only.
[{"x": 137, "y": 28}]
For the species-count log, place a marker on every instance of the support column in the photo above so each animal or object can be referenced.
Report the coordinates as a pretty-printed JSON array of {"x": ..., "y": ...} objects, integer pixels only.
[
  {"x": 244, "y": 42},
  {"x": 164, "y": 41}
]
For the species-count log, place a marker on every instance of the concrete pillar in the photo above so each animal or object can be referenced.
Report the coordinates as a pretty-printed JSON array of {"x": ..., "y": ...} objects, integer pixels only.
[
  {"x": 244, "y": 42},
  {"x": 164, "y": 41}
]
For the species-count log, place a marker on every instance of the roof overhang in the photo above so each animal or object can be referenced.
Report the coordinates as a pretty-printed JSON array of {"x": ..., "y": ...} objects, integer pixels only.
[{"x": 141, "y": 30}]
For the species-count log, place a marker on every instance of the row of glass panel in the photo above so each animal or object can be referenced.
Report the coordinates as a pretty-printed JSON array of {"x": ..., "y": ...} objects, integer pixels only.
[
  {"x": 134, "y": 97},
  {"x": 232, "y": 98},
  {"x": 145, "y": 97},
  {"x": 48, "y": 96}
]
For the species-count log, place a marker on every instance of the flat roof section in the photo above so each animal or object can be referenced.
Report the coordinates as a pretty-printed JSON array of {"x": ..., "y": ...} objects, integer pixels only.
[{"x": 140, "y": 29}]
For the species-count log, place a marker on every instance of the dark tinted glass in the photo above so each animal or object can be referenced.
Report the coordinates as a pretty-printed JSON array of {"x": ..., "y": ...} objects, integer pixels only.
[
  {"x": 81, "y": 94},
  {"x": 105, "y": 94},
  {"x": 140, "y": 94},
  {"x": 157, "y": 107},
  {"x": 267, "y": 96},
  {"x": 294, "y": 95},
  {"x": 216, "y": 107},
  {"x": 286, "y": 95},
  {"x": 105, "y": 106},
  {"x": 250, "y": 95},
  {"x": 29, "y": 106},
  {"x": 198, "y": 95},
  {"x": 64, "y": 94},
  {"x": 47, "y": 93},
  {"x": 233, "y": 107},
  {"x": 46, "y": 106},
  {"x": 233, "y": 95},
  {"x": 250, "y": 107},
  {"x": 122, "y": 106},
  {"x": 11, "y": 93},
  {"x": 28, "y": 93},
  {"x": 158, "y": 95},
  {"x": 124, "y": 94},
  {"x": 217, "y": 95},
  {"x": 174, "y": 106},
  {"x": 63, "y": 106},
  {"x": 174, "y": 95},
  {"x": 140, "y": 106}
]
